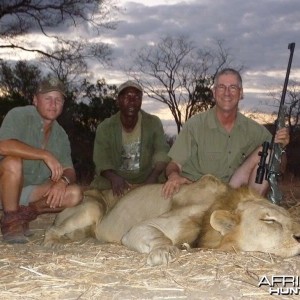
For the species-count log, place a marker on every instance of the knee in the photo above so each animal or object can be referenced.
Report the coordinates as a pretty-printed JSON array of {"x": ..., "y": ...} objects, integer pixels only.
[
  {"x": 74, "y": 195},
  {"x": 11, "y": 164}
]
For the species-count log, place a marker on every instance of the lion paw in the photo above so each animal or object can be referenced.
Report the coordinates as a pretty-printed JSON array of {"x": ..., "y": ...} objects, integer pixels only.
[
  {"x": 162, "y": 255},
  {"x": 52, "y": 240}
]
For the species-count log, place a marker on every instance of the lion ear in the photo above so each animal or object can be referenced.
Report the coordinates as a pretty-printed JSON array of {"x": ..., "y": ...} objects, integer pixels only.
[{"x": 223, "y": 221}]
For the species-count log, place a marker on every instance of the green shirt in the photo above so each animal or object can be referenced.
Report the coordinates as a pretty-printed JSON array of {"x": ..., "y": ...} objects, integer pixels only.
[
  {"x": 25, "y": 124},
  {"x": 108, "y": 149},
  {"x": 205, "y": 147}
]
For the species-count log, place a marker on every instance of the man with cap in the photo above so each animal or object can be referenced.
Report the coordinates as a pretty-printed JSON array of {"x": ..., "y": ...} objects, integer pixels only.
[
  {"x": 36, "y": 170},
  {"x": 130, "y": 147}
]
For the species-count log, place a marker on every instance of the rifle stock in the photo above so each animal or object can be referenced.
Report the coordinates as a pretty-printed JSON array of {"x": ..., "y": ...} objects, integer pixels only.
[{"x": 272, "y": 168}]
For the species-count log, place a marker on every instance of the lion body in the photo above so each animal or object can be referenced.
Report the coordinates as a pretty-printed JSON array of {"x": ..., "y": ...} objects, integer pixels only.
[{"x": 206, "y": 214}]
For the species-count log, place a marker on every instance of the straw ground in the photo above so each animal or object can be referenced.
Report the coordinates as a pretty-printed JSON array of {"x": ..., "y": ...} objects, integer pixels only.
[{"x": 90, "y": 270}]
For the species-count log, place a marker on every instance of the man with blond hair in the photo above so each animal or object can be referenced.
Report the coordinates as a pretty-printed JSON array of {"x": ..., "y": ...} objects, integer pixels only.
[{"x": 36, "y": 170}]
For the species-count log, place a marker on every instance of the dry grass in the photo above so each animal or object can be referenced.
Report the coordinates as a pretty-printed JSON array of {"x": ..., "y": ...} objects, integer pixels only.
[{"x": 89, "y": 270}]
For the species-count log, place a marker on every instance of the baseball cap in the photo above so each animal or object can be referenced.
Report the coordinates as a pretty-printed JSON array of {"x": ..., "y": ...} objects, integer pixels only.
[
  {"x": 50, "y": 85},
  {"x": 129, "y": 83}
]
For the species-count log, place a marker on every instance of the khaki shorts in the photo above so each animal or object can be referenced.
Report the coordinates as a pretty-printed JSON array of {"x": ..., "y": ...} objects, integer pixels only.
[{"x": 25, "y": 194}]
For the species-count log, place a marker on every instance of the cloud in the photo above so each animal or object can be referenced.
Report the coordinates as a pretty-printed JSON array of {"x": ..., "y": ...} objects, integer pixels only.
[{"x": 256, "y": 32}]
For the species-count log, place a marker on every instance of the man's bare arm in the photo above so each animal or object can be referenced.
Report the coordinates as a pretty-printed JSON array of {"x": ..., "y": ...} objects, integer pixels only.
[{"x": 17, "y": 148}]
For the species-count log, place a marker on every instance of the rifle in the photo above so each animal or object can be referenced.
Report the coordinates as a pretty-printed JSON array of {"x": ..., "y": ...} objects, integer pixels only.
[{"x": 271, "y": 170}]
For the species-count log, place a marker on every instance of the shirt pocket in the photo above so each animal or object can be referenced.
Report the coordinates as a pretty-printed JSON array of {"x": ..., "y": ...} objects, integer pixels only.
[
  {"x": 213, "y": 162},
  {"x": 243, "y": 154}
]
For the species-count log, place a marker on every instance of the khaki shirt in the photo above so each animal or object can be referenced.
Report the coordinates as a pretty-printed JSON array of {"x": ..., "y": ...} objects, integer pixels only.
[
  {"x": 205, "y": 147},
  {"x": 25, "y": 124}
]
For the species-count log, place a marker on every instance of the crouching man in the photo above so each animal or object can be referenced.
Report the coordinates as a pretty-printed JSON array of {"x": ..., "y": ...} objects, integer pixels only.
[{"x": 36, "y": 170}]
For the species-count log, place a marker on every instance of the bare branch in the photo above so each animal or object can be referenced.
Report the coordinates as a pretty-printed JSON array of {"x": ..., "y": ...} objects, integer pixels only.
[
  {"x": 179, "y": 75},
  {"x": 51, "y": 18},
  {"x": 12, "y": 46}
]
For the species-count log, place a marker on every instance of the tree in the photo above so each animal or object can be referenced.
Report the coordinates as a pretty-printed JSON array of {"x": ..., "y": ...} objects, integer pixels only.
[
  {"x": 20, "y": 18},
  {"x": 83, "y": 112},
  {"x": 84, "y": 109},
  {"x": 176, "y": 73},
  {"x": 291, "y": 104},
  {"x": 293, "y": 107},
  {"x": 292, "y": 114},
  {"x": 17, "y": 85},
  {"x": 70, "y": 61},
  {"x": 97, "y": 103},
  {"x": 21, "y": 79}
]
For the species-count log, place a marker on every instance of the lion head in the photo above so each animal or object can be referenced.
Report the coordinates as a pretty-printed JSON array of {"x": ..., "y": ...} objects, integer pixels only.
[{"x": 258, "y": 226}]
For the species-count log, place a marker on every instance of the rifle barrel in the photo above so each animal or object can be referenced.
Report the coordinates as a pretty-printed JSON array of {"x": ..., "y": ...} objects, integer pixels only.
[{"x": 291, "y": 47}]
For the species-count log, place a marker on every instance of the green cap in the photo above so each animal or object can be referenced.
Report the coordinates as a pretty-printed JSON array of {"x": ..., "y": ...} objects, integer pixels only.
[{"x": 50, "y": 85}]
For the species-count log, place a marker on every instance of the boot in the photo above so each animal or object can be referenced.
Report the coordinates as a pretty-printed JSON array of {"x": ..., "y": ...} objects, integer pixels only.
[
  {"x": 12, "y": 228},
  {"x": 26, "y": 230},
  {"x": 28, "y": 214}
]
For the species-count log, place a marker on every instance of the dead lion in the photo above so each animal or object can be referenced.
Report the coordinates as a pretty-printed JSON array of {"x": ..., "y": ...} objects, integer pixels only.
[{"x": 206, "y": 214}]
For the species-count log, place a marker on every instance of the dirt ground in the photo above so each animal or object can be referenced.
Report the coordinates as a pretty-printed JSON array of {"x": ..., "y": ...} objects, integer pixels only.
[{"x": 90, "y": 270}]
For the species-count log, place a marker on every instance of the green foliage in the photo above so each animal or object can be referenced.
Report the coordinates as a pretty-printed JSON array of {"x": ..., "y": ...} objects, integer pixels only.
[
  {"x": 80, "y": 119},
  {"x": 101, "y": 103},
  {"x": 17, "y": 85},
  {"x": 7, "y": 103},
  {"x": 20, "y": 80},
  {"x": 202, "y": 97},
  {"x": 84, "y": 109}
]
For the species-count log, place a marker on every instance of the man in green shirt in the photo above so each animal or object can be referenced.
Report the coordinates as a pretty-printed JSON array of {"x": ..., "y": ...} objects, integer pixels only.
[
  {"x": 221, "y": 142},
  {"x": 130, "y": 147},
  {"x": 36, "y": 170}
]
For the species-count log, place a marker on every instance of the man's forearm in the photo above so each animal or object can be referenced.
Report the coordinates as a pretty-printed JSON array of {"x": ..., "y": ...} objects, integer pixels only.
[
  {"x": 157, "y": 170},
  {"x": 108, "y": 174},
  {"x": 173, "y": 168},
  {"x": 17, "y": 148}
]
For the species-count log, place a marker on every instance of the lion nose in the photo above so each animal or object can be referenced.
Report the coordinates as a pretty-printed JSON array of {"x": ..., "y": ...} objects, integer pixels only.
[{"x": 297, "y": 237}]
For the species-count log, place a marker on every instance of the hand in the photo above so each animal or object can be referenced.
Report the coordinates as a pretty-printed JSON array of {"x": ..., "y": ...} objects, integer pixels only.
[
  {"x": 56, "y": 193},
  {"x": 282, "y": 137},
  {"x": 54, "y": 166},
  {"x": 119, "y": 185},
  {"x": 173, "y": 184}
]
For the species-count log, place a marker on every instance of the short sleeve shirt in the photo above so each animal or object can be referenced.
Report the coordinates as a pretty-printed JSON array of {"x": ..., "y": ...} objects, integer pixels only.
[
  {"x": 26, "y": 125},
  {"x": 205, "y": 147}
]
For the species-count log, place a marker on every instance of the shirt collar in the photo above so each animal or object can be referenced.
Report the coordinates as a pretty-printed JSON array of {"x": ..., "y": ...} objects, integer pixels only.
[{"x": 213, "y": 122}]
